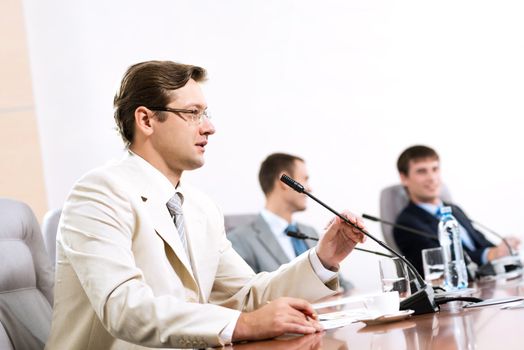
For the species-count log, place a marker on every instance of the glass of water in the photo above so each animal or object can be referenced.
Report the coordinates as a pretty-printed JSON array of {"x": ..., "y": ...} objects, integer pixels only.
[
  {"x": 394, "y": 276},
  {"x": 433, "y": 265}
]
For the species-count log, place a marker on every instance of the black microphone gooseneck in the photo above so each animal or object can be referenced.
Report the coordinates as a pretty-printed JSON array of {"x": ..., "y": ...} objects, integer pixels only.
[
  {"x": 471, "y": 266},
  {"x": 299, "y": 188},
  {"x": 300, "y": 235},
  {"x": 474, "y": 270},
  {"x": 511, "y": 251},
  {"x": 405, "y": 228},
  {"x": 423, "y": 301}
]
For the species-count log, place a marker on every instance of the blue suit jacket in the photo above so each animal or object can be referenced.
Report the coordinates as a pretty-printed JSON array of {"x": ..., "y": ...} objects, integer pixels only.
[{"x": 411, "y": 245}]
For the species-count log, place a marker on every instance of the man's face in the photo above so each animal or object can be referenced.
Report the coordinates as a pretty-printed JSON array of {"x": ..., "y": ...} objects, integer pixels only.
[
  {"x": 181, "y": 143},
  {"x": 423, "y": 180},
  {"x": 298, "y": 201}
]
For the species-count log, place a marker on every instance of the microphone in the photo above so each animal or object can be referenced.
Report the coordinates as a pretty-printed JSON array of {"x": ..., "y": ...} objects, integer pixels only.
[
  {"x": 510, "y": 250},
  {"x": 300, "y": 235},
  {"x": 422, "y": 301},
  {"x": 472, "y": 267},
  {"x": 501, "y": 265},
  {"x": 491, "y": 268}
]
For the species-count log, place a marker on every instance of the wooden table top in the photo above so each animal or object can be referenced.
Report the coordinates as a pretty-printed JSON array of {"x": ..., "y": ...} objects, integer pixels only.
[{"x": 452, "y": 328}]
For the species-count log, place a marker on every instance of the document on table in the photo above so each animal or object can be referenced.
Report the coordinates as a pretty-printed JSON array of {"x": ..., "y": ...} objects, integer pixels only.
[{"x": 342, "y": 318}]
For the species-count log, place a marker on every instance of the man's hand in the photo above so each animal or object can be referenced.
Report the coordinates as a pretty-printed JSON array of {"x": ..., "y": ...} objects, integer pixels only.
[
  {"x": 281, "y": 316},
  {"x": 502, "y": 250},
  {"x": 339, "y": 240}
]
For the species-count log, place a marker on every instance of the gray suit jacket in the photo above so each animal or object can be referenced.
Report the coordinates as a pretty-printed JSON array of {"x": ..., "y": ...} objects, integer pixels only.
[
  {"x": 260, "y": 249},
  {"x": 258, "y": 246}
]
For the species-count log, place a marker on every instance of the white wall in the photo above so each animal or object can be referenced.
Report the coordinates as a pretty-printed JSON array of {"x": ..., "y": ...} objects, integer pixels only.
[{"x": 345, "y": 84}]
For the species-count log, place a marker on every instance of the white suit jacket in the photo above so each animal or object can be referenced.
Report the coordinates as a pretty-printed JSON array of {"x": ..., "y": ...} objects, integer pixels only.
[{"x": 123, "y": 280}]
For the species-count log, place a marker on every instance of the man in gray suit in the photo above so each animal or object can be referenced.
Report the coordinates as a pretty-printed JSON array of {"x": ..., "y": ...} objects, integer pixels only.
[{"x": 263, "y": 243}]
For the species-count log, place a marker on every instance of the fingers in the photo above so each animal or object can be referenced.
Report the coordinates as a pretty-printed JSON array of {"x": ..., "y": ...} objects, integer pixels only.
[
  {"x": 337, "y": 223},
  {"x": 353, "y": 219},
  {"x": 310, "y": 325},
  {"x": 357, "y": 234},
  {"x": 514, "y": 242},
  {"x": 283, "y": 315},
  {"x": 299, "y": 313},
  {"x": 303, "y": 306}
]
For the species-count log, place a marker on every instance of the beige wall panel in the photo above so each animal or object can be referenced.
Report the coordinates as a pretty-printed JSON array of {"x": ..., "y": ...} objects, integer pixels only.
[
  {"x": 21, "y": 174},
  {"x": 15, "y": 78},
  {"x": 21, "y": 171}
]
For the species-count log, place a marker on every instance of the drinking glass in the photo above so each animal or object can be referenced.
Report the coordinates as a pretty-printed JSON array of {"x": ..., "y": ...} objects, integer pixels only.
[
  {"x": 394, "y": 277},
  {"x": 433, "y": 265}
]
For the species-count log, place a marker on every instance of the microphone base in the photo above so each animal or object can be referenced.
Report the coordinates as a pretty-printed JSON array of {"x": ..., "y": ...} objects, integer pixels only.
[
  {"x": 422, "y": 302},
  {"x": 500, "y": 266}
]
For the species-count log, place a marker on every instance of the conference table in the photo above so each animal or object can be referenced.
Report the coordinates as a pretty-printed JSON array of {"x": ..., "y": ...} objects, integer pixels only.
[{"x": 454, "y": 327}]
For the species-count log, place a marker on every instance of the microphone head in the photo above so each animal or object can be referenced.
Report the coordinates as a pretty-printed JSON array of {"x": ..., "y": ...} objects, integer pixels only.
[
  {"x": 292, "y": 183},
  {"x": 369, "y": 217},
  {"x": 296, "y": 234}
]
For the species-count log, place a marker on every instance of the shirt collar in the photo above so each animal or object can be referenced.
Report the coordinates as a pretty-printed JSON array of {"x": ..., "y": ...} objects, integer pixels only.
[
  {"x": 430, "y": 207},
  {"x": 276, "y": 223},
  {"x": 158, "y": 181}
]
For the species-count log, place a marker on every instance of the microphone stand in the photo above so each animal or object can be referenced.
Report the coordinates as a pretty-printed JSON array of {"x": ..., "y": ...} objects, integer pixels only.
[
  {"x": 423, "y": 300},
  {"x": 510, "y": 250},
  {"x": 500, "y": 265},
  {"x": 504, "y": 265},
  {"x": 472, "y": 267},
  {"x": 300, "y": 235}
]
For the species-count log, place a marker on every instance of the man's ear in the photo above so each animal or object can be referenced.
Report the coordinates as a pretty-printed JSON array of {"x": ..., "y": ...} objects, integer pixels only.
[
  {"x": 143, "y": 119},
  {"x": 279, "y": 183},
  {"x": 403, "y": 179}
]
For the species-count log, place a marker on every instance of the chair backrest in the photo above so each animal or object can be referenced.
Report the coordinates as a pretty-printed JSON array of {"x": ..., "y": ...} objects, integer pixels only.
[
  {"x": 393, "y": 200},
  {"x": 234, "y": 220},
  {"x": 5, "y": 342},
  {"x": 26, "y": 276},
  {"x": 49, "y": 230}
]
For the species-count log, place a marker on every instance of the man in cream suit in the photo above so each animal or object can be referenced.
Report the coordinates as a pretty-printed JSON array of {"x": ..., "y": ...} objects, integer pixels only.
[{"x": 142, "y": 257}]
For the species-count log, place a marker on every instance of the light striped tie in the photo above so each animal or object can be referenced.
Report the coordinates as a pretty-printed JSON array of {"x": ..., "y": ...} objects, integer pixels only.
[{"x": 175, "y": 208}]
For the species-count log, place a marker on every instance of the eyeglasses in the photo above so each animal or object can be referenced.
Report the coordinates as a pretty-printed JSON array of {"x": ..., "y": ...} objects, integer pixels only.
[{"x": 195, "y": 116}]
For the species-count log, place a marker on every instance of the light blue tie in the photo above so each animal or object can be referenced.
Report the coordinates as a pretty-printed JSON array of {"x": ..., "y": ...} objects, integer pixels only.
[{"x": 299, "y": 245}]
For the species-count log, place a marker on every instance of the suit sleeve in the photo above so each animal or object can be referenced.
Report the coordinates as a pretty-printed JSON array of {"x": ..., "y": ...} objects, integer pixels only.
[
  {"x": 237, "y": 287},
  {"x": 411, "y": 245}
]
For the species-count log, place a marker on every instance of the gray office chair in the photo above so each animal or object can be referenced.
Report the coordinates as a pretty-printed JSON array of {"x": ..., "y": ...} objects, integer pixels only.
[
  {"x": 393, "y": 200},
  {"x": 26, "y": 277},
  {"x": 232, "y": 221},
  {"x": 49, "y": 230},
  {"x": 5, "y": 342}
]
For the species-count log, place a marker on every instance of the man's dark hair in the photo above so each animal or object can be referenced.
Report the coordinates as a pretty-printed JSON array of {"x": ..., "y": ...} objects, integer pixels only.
[
  {"x": 149, "y": 84},
  {"x": 414, "y": 153},
  {"x": 271, "y": 168}
]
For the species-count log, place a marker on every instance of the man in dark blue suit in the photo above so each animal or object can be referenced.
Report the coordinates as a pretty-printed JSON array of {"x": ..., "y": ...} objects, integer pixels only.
[{"x": 419, "y": 170}]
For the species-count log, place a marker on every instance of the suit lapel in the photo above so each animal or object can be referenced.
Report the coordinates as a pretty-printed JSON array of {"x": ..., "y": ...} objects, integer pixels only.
[
  {"x": 165, "y": 228},
  {"x": 195, "y": 225},
  {"x": 154, "y": 191},
  {"x": 430, "y": 220},
  {"x": 268, "y": 240}
]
